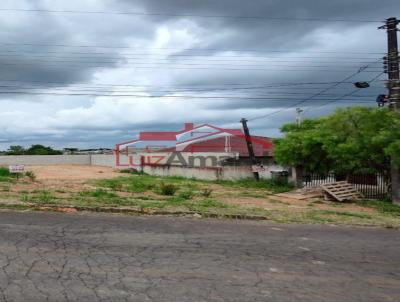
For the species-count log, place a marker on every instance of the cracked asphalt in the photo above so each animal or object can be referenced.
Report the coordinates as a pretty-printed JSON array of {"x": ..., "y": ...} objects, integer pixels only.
[{"x": 96, "y": 257}]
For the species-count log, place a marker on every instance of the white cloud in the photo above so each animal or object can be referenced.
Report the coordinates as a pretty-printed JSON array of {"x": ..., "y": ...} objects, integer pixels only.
[{"x": 155, "y": 56}]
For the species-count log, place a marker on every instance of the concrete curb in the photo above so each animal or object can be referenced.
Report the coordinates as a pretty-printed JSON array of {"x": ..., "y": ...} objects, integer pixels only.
[{"x": 132, "y": 210}]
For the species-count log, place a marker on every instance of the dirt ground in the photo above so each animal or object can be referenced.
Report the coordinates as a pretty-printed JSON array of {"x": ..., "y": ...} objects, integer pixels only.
[
  {"x": 71, "y": 178},
  {"x": 77, "y": 184},
  {"x": 76, "y": 178},
  {"x": 72, "y": 172}
]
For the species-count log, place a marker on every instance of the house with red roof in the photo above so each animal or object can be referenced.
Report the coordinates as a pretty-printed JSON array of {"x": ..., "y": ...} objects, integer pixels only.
[
  {"x": 204, "y": 151},
  {"x": 204, "y": 138}
]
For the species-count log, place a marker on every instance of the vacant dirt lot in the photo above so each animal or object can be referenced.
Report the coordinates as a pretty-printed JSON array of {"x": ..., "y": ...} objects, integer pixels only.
[
  {"x": 72, "y": 172},
  {"x": 91, "y": 186}
]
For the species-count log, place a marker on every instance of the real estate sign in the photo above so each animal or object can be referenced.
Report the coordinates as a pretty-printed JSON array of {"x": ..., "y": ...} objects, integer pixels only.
[{"x": 16, "y": 168}]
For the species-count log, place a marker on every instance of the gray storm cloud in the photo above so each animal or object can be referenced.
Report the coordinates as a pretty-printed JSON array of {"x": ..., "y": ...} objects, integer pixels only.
[{"x": 177, "y": 61}]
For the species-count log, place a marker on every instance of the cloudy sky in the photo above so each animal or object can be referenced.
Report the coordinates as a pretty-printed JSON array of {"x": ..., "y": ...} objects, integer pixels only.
[{"x": 92, "y": 73}]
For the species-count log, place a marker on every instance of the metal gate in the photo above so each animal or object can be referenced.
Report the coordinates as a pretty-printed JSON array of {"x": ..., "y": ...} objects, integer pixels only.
[{"x": 373, "y": 186}]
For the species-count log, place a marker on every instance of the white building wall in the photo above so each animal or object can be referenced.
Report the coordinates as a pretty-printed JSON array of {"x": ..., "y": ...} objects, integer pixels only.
[
  {"x": 45, "y": 160},
  {"x": 208, "y": 173}
]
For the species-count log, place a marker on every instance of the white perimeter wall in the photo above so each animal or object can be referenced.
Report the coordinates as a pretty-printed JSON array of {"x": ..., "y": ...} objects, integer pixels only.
[
  {"x": 223, "y": 173},
  {"x": 43, "y": 160},
  {"x": 226, "y": 172},
  {"x": 39, "y": 160}
]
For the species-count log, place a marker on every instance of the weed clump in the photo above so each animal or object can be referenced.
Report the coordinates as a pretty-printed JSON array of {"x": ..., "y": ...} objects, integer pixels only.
[
  {"x": 168, "y": 189},
  {"x": 206, "y": 192},
  {"x": 186, "y": 195},
  {"x": 31, "y": 175}
]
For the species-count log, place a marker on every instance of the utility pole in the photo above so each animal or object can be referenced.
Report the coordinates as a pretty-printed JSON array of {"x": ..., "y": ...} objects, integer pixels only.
[
  {"x": 299, "y": 117},
  {"x": 394, "y": 92},
  {"x": 250, "y": 147}
]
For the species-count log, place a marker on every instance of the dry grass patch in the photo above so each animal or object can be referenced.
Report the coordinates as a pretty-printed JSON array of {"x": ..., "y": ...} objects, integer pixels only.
[{"x": 106, "y": 187}]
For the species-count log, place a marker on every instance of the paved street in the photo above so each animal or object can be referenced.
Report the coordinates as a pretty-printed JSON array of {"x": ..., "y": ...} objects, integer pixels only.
[{"x": 88, "y": 257}]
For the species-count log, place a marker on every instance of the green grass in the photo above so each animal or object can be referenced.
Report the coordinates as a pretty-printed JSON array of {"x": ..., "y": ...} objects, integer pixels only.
[
  {"x": 383, "y": 206},
  {"x": 270, "y": 185},
  {"x": 4, "y": 172},
  {"x": 143, "y": 183},
  {"x": 100, "y": 196},
  {"x": 135, "y": 184},
  {"x": 345, "y": 214},
  {"x": 256, "y": 194},
  {"x": 38, "y": 196},
  {"x": 144, "y": 192},
  {"x": 5, "y": 188},
  {"x": 329, "y": 216},
  {"x": 43, "y": 196},
  {"x": 19, "y": 207},
  {"x": 186, "y": 194},
  {"x": 6, "y": 176}
]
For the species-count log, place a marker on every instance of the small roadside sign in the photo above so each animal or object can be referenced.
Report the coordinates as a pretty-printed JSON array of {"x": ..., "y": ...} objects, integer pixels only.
[{"x": 16, "y": 168}]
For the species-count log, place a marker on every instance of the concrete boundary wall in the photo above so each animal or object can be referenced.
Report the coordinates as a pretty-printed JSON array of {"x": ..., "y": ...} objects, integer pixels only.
[
  {"x": 221, "y": 173},
  {"x": 42, "y": 160},
  {"x": 108, "y": 160}
]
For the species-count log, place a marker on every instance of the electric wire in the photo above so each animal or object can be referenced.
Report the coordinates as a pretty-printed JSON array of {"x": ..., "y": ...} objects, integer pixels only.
[
  {"x": 168, "y": 14},
  {"x": 362, "y": 69}
]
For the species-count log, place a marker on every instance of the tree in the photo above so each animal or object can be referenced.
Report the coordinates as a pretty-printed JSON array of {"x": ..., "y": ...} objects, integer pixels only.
[
  {"x": 33, "y": 150},
  {"x": 355, "y": 139},
  {"x": 302, "y": 147},
  {"x": 42, "y": 150},
  {"x": 15, "y": 150}
]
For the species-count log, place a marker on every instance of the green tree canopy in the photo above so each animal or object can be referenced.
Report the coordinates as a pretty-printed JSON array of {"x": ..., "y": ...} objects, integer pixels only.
[
  {"x": 15, "y": 150},
  {"x": 33, "y": 150},
  {"x": 350, "y": 140},
  {"x": 42, "y": 150}
]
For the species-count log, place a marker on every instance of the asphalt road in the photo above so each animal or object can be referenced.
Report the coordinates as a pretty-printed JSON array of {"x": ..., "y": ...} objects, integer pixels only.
[{"x": 87, "y": 257}]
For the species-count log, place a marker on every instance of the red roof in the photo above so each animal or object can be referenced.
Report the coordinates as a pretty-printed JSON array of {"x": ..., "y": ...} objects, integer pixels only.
[
  {"x": 158, "y": 136},
  {"x": 262, "y": 145},
  {"x": 171, "y": 135},
  {"x": 234, "y": 131}
]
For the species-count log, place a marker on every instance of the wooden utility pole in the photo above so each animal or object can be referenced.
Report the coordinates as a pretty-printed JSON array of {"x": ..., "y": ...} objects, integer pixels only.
[
  {"x": 394, "y": 92},
  {"x": 250, "y": 147}
]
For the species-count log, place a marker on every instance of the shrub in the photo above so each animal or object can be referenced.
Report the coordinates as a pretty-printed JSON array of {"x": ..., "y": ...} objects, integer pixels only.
[
  {"x": 132, "y": 171},
  {"x": 4, "y": 172},
  {"x": 206, "y": 192},
  {"x": 101, "y": 194},
  {"x": 168, "y": 189},
  {"x": 7, "y": 176},
  {"x": 186, "y": 195},
  {"x": 31, "y": 175},
  {"x": 43, "y": 196}
]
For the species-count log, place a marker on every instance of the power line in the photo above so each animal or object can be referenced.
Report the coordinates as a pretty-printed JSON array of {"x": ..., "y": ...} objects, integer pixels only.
[
  {"x": 362, "y": 69},
  {"x": 168, "y": 67},
  {"x": 188, "y": 15},
  {"x": 180, "y": 55},
  {"x": 190, "y": 49},
  {"x": 116, "y": 57},
  {"x": 348, "y": 94},
  {"x": 176, "y": 64},
  {"x": 156, "y": 97},
  {"x": 97, "y": 90},
  {"x": 265, "y": 85}
]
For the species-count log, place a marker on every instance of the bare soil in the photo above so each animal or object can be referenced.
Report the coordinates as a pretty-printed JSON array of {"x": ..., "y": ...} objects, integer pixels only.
[
  {"x": 73, "y": 172},
  {"x": 67, "y": 182}
]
